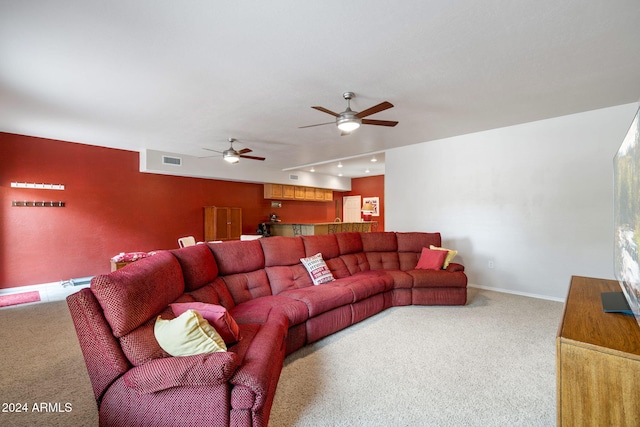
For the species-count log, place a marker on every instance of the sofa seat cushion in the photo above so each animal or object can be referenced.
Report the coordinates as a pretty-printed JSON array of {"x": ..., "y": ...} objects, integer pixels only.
[
  {"x": 257, "y": 310},
  {"x": 321, "y": 298},
  {"x": 365, "y": 284},
  {"x": 437, "y": 279},
  {"x": 401, "y": 279}
]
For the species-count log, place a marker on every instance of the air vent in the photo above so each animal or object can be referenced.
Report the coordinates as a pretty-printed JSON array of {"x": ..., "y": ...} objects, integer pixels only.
[
  {"x": 175, "y": 161},
  {"x": 293, "y": 177}
]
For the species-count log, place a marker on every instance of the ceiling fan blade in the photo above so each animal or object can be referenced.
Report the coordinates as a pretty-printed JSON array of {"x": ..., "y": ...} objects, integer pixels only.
[
  {"x": 215, "y": 151},
  {"x": 375, "y": 109},
  {"x": 389, "y": 123},
  {"x": 324, "y": 110},
  {"x": 319, "y": 124},
  {"x": 245, "y": 151},
  {"x": 252, "y": 157}
]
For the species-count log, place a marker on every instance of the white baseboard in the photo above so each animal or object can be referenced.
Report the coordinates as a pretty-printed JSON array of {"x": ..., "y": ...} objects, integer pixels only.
[
  {"x": 49, "y": 292},
  {"x": 510, "y": 291}
]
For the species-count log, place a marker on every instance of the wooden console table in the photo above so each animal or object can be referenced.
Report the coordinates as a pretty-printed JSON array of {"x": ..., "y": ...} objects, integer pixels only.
[{"x": 597, "y": 360}]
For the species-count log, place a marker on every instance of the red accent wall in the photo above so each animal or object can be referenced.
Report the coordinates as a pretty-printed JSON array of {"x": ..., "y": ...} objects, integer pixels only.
[
  {"x": 371, "y": 186},
  {"x": 111, "y": 207}
]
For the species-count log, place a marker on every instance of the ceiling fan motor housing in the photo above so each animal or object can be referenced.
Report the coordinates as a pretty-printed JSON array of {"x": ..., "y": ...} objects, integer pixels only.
[{"x": 347, "y": 120}]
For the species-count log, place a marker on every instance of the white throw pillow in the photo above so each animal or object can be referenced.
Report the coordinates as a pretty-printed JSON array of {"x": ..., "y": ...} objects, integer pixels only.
[
  {"x": 317, "y": 269},
  {"x": 187, "y": 335}
]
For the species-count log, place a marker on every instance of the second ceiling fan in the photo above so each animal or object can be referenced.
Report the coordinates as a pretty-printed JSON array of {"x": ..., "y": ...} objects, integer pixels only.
[
  {"x": 350, "y": 120},
  {"x": 233, "y": 156}
]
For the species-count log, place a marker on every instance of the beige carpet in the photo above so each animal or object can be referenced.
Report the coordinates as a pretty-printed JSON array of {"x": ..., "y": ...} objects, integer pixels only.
[
  {"x": 42, "y": 369},
  {"x": 490, "y": 363}
]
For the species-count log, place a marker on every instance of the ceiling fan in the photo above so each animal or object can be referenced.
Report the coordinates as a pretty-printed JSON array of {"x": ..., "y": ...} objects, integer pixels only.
[
  {"x": 232, "y": 156},
  {"x": 350, "y": 120}
]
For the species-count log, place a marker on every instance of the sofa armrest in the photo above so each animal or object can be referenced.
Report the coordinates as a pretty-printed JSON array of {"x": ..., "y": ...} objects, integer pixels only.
[
  {"x": 453, "y": 267},
  {"x": 200, "y": 370},
  {"x": 255, "y": 380}
]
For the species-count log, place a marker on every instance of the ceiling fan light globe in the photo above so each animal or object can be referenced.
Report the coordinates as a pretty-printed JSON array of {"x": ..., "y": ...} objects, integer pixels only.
[
  {"x": 232, "y": 159},
  {"x": 348, "y": 126},
  {"x": 231, "y": 156}
]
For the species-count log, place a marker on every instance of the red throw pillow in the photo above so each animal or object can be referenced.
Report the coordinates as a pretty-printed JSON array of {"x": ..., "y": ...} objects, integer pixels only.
[
  {"x": 431, "y": 259},
  {"x": 216, "y": 315}
]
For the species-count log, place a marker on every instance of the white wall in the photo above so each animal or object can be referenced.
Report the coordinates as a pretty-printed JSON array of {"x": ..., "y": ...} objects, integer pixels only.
[
  {"x": 535, "y": 199},
  {"x": 245, "y": 171}
]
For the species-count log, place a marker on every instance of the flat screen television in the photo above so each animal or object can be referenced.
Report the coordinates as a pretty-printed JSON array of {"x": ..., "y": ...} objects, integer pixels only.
[{"x": 626, "y": 171}]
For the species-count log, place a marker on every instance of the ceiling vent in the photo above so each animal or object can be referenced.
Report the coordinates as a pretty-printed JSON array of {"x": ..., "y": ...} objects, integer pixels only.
[
  {"x": 293, "y": 177},
  {"x": 174, "y": 161}
]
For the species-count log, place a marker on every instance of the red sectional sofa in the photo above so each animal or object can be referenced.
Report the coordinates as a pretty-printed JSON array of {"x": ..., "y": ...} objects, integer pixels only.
[{"x": 270, "y": 295}]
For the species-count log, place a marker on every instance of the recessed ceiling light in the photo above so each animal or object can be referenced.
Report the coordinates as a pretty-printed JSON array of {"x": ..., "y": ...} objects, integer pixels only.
[
  {"x": 367, "y": 171},
  {"x": 312, "y": 169},
  {"x": 373, "y": 159},
  {"x": 339, "y": 174},
  {"x": 339, "y": 164}
]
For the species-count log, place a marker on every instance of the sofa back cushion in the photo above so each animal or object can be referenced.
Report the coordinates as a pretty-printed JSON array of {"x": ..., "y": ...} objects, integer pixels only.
[
  {"x": 379, "y": 242},
  {"x": 132, "y": 295},
  {"x": 338, "y": 267},
  {"x": 285, "y": 277},
  {"x": 383, "y": 260},
  {"x": 215, "y": 292},
  {"x": 410, "y": 247},
  {"x": 349, "y": 242},
  {"x": 326, "y": 244},
  {"x": 355, "y": 263},
  {"x": 279, "y": 250},
  {"x": 246, "y": 286},
  {"x": 381, "y": 250},
  {"x": 198, "y": 266},
  {"x": 238, "y": 256}
]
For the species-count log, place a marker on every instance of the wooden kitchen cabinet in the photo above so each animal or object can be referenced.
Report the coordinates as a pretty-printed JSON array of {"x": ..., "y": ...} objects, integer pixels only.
[
  {"x": 309, "y": 193},
  {"x": 222, "y": 223},
  {"x": 319, "y": 194},
  {"x": 597, "y": 360},
  {"x": 297, "y": 192},
  {"x": 288, "y": 192},
  {"x": 273, "y": 191}
]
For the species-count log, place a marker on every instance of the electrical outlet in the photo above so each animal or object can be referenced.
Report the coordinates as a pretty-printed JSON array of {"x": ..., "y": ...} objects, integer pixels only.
[{"x": 491, "y": 264}]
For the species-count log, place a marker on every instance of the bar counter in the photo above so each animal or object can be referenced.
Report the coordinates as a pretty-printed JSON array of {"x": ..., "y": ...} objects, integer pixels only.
[{"x": 308, "y": 229}]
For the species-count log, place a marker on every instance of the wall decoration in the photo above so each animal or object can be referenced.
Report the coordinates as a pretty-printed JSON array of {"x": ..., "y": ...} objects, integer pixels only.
[
  {"x": 37, "y": 186},
  {"x": 375, "y": 202}
]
